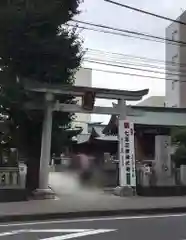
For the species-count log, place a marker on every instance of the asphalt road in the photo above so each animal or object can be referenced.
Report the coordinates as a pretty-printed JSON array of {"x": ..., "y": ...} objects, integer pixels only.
[{"x": 167, "y": 227}]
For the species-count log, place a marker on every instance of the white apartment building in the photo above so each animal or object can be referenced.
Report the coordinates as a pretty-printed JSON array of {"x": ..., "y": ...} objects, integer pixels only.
[
  {"x": 83, "y": 78},
  {"x": 175, "y": 61}
]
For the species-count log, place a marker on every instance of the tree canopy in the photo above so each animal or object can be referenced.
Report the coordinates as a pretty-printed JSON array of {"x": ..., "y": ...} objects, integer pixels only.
[
  {"x": 35, "y": 44},
  {"x": 179, "y": 139}
]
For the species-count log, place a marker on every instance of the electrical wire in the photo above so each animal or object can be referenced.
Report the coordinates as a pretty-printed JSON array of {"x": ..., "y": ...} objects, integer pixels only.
[
  {"x": 116, "y": 33},
  {"x": 134, "y": 58},
  {"x": 145, "y": 12},
  {"x": 169, "y": 71},
  {"x": 131, "y": 32},
  {"x": 124, "y": 59},
  {"x": 143, "y": 58},
  {"x": 96, "y": 51},
  {"x": 129, "y": 62},
  {"x": 125, "y": 67},
  {"x": 104, "y": 56},
  {"x": 129, "y": 74}
]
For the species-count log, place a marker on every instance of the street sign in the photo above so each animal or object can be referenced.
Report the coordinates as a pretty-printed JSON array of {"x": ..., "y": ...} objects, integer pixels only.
[
  {"x": 127, "y": 154},
  {"x": 63, "y": 233}
]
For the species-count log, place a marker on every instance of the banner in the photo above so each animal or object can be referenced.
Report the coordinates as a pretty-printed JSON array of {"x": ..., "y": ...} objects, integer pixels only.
[{"x": 127, "y": 154}]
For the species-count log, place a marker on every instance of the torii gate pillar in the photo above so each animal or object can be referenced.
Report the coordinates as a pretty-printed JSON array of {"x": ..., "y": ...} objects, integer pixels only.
[{"x": 46, "y": 142}]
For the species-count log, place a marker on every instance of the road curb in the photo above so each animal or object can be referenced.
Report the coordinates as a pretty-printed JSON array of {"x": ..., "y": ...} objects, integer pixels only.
[{"x": 85, "y": 214}]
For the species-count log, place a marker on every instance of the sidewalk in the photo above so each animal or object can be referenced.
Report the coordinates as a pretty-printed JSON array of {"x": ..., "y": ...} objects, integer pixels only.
[{"x": 86, "y": 203}]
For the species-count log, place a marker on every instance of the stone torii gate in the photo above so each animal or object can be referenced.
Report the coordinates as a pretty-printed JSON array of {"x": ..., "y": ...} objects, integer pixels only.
[{"x": 50, "y": 104}]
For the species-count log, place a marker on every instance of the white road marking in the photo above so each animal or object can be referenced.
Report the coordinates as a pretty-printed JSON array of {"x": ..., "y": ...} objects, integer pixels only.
[
  {"x": 11, "y": 233},
  {"x": 74, "y": 233},
  {"x": 43, "y": 231},
  {"x": 58, "y": 230},
  {"x": 82, "y": 234},
  {"x": 79, "y": 220}
]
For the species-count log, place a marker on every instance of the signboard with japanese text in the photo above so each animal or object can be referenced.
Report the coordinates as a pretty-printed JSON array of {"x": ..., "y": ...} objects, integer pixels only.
[
  {"x": 122, "y": 168},
  {"x": 127, "y": 154},
  {"x": 132, "y": 156}
]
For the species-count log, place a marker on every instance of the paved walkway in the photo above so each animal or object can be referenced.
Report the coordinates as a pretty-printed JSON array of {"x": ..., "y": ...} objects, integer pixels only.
[
  {"x": 67, "y": 183},
  {"x": 75, "y": 199}
]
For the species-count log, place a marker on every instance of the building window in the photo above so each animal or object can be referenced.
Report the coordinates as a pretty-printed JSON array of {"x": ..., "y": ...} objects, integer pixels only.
[{"x": 174, "y": 35}]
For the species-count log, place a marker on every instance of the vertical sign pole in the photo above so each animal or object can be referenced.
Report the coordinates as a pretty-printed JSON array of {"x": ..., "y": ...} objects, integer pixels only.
[
  {"x": 127, "y": 169},
  {"x": 127, "y": 151},
  {"x": 132, "y": 157},
  {"x": 122, "y": 167}
]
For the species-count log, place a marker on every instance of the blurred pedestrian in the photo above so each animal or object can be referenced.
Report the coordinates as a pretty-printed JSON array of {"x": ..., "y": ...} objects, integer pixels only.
[{"x": 85, "y": 167}]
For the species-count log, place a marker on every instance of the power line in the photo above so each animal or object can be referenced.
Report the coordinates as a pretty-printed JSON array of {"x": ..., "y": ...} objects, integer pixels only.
[
  {"x": 123, "y": 59},
  {"x": 127, "y": 55},
  {"x": 145, "y": 12},
  {"x": 129, "y": 74},
  {"x": 128, "y": 62},
  {"x": 145, "y": 66},
  {"x": 116, "y": 33},
  {"x": 141, "y": 69},
  {"x": 125, "y": 35},
  {"x": 134, "y": 57},
  {"x": 130, "y": 32},
  {"x": 147, "y": 36},
  {"x": 122, "y": 55},
  {"x": 134, "y": 68},
  {"x": 138, "y": 69},
  {"x": 132, "y": 63}
]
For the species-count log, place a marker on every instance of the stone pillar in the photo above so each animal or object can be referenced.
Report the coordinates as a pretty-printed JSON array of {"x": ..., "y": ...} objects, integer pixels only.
[
  {"x": 163, "y": 166},
  {"x": 46, "y": 143},
  {"x": 15, "y": 178},
  {"x": 183, "y": 174},
  {"x": 145, "y": 179}
]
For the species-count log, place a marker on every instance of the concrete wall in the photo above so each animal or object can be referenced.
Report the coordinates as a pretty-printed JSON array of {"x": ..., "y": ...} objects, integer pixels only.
[
  {"x": 83, "y": 78},
  {"x": 182, "y": 70},
  {"x": 175, "y": 87},
  {"x": 172, "y": 54}
]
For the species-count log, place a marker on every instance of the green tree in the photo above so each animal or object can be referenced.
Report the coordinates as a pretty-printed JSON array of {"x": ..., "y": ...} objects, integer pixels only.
[
  {"x": 179, "y": 139},
  {"x": 35, "y": 45}
]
